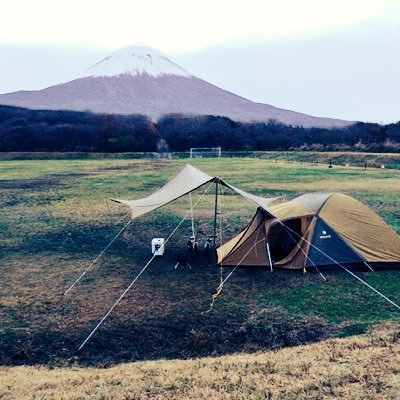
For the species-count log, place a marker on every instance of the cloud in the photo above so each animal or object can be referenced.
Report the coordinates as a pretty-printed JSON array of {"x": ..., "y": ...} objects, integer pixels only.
[{"x": 181, "y": 25}]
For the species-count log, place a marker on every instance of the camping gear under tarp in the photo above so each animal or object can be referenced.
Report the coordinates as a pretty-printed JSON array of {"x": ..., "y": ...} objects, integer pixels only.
[
  {"x": 314, "y": 229},
  {"x": 184, "y": 182}
]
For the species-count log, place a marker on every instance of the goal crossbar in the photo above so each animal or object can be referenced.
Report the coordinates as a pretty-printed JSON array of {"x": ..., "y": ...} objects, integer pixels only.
[{"x": 206, "y": 151}]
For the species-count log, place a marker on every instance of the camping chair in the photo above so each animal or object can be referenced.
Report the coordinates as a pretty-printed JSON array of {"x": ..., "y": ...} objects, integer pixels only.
[{"x": 182, "y": 260}]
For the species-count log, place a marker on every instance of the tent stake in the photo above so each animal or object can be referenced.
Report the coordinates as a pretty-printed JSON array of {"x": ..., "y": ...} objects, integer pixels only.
[{"x": 269, "y": 257}]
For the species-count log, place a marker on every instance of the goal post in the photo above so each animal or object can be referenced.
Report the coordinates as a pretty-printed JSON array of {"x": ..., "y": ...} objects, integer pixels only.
[{"x": 200, "y": 152}]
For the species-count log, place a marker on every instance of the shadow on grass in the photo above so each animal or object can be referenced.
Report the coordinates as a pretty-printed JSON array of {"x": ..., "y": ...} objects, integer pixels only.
[
  {"x": 68, "y": 237},
  {"x": 176, "y": 335}
]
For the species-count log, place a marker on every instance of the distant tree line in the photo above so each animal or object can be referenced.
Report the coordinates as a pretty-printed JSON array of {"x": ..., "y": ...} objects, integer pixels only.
[{"x": 41, "y": 130}]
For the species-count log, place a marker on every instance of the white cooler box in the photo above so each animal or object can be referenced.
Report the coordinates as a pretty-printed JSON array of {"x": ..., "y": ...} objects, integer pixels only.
[{"x": 157, "y": 246}]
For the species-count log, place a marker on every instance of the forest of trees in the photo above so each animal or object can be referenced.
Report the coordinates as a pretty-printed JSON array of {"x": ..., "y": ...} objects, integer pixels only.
[{"x": 40, "y": 130}]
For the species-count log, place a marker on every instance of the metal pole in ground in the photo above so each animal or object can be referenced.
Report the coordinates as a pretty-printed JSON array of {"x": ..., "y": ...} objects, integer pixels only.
[
  {"x": 215, "y": 213},
  {"x": 269, "y": 257}
]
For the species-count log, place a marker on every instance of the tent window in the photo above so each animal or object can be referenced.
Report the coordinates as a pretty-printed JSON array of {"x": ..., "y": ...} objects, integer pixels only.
[{"x": 283, "y": 239}]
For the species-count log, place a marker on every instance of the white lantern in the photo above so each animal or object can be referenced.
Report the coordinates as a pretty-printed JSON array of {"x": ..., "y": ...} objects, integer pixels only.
[{"x": 157, "y": 246}]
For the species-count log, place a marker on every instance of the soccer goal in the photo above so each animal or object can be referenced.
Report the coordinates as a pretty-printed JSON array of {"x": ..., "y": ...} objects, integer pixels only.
[{"x": 200, "y": 152}]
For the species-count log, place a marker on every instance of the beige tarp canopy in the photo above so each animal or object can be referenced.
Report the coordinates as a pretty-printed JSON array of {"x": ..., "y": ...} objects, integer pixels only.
[
  {"x": 313, "y": 229},
  {"x": 185, "y": 181}
]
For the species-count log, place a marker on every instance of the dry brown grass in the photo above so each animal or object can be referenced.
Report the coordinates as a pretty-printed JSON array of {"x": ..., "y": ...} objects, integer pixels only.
[{"x": 361, "y": 367}]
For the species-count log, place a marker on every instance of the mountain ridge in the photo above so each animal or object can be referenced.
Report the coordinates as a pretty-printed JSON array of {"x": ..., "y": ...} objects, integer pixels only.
[{"x": 141, "y": 80}]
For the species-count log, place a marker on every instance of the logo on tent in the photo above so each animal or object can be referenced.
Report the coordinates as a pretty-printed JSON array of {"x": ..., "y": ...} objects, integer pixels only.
[{"x": 325, "y": 235}]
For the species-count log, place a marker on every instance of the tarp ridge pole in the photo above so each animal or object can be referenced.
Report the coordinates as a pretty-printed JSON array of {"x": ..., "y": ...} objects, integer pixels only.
[
  {"x": 221, "y": 272},
  {"x": 191, "y": 214},
  {"x": 269, "y": 258},
  {"x": 220, "y": 214},
  {"x": 138, "y": 275},
  {"x": 215, "y": 212},
  {"x": 97, "y": 258}
]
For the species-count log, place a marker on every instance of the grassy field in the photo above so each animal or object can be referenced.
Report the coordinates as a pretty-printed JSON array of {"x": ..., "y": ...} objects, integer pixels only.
[
  {"x": 342, "y": 158},
  {"x": 361, "y": 367},
  {"x": 55, "y": 219}
]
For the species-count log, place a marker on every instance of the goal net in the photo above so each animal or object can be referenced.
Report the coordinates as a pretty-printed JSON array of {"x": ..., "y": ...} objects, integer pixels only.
[{"x": 200, "y": 152}]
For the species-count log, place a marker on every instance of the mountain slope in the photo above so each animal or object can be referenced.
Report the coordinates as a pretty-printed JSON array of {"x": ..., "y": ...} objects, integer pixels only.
[{"x": 142, "y": 80}]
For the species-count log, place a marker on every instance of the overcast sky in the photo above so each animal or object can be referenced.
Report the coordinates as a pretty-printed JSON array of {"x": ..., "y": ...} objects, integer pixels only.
[{"x": 327, "y": 58}]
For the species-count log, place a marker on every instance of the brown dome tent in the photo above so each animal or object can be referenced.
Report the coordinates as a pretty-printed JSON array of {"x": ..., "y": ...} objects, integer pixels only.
[{"x": 315, "y": 229}]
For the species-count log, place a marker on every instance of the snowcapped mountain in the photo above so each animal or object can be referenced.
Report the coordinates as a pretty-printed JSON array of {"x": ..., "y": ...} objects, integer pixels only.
[
  {"x": 133, "y": 61},
  {"x": 141, "y": 80}
]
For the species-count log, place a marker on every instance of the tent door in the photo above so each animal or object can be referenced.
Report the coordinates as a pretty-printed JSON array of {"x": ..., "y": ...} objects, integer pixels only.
[{"x": 284, "y": 237}]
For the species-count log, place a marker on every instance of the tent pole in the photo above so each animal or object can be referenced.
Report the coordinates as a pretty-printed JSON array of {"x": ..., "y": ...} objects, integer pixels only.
[
  {"x": 368, "y": 266},
  {"x": 215, "y": 213},
  {"x": 191, "y": 214},
  {"x": 269, "y": 258}
]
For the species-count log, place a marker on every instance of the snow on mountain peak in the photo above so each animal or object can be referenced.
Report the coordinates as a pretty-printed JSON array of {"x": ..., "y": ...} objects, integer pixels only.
[{"x": 135, "y": 60}]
